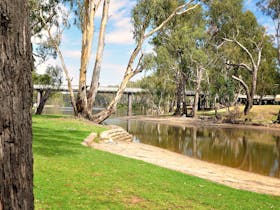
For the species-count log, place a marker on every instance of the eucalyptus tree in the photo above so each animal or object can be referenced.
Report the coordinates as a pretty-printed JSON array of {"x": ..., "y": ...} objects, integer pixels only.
[
  {"x": 148, "y": 18},
  {"x": 44, "y": 12},
  {"x": 16, "y": 63},
  {"x": 238, "y": 31},
  {"x": 272, "y": 8},
  {"x": 161, "y": 81},
  {"x": 185, "y": 43},
  {"x": 269, "y": 74},
  {"x": 85, "y": 11},
  {"x": 52, "y": 79}
]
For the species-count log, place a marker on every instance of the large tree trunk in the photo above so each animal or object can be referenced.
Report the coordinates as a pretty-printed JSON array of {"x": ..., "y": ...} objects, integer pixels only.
[
  {"x": 254, "y": 85},
  {"x": 253, "y": 69},
  {"x": 185, "y": 108},
  {"x": 197, "y": 90},
  {"x": 278, "y": 36},
  {"x": 87, "y": 38},
  {"x": 103, "y": 115},
  {"x": 130, "y": 71},
  {"x": 99, "y": 56},
  {"x": 249, "y": 102},
  {"x": 178, "y": 94},
  {"x": 16, "y": 162},
  {"x": 43, "y": 99}
]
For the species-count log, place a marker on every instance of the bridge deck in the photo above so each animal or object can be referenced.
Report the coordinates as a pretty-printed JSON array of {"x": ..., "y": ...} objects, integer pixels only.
[{"x": 101, "y": 89}]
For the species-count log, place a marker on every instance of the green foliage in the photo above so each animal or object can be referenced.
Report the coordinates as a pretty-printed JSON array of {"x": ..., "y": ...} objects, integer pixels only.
[
  {"x": 47, "y": 13},
  {"x": 269, "y": 75},
  {"x": 52, "y": 77},
  {"x": 150, "y": 13},
  {"x": 224, "y": 17},
  {"x": 270, "y": 8},
  {"x": 50, "y": 11},
  {"x": 223, "y": 87}
]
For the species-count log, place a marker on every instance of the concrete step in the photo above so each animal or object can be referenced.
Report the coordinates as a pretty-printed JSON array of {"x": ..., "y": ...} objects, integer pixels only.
[{"x": 116, "y": 134}]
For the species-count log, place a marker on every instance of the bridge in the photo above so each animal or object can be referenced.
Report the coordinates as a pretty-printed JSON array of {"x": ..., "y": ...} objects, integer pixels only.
[{"x": 101, "y": 89}]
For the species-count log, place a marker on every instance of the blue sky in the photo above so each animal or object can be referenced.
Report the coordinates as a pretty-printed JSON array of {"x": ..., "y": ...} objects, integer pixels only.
[{"x": 119, "y": 43}]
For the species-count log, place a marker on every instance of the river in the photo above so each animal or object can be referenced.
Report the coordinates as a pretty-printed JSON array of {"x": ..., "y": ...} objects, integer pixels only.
[{"x": 252, "y": 150}]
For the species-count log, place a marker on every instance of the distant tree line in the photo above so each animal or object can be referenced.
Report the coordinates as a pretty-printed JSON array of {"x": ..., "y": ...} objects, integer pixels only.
[{"x": 218, "y": 49}]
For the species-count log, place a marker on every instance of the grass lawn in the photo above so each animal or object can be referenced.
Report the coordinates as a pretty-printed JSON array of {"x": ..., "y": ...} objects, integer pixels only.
[
  {"x": 258, "y": 114},
  {"x": 68, "y": 175}
]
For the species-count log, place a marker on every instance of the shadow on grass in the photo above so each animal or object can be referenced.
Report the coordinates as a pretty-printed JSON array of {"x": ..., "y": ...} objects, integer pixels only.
[
  {"x": 50, "y": 116},
  {"x": 50, "y": 142}
]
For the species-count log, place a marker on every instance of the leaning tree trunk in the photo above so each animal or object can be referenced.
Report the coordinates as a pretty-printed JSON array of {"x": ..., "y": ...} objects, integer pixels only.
[
  {"x": 99, "y": 56},
  {"x": 16, "y": 162},
  {"x": 103, "y": 115},
  {"x": 43, "y": 99},
  {"x": 249, "y": 102},
  {"x": 130, "y": 71}
]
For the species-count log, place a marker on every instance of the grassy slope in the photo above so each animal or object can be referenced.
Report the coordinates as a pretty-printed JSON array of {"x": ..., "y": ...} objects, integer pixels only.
[
  {"x": 70, "y": 176},
  {"x": 258, "y": 114}
]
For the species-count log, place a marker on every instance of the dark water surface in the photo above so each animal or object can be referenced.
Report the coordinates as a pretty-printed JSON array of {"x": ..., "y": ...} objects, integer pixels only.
[{"x": 257, "y": 151}]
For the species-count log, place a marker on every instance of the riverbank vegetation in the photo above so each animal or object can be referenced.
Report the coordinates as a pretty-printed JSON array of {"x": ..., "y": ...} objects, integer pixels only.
[
  {"x": 259, "y": 115},
  {"x": 70, "y": 176}
]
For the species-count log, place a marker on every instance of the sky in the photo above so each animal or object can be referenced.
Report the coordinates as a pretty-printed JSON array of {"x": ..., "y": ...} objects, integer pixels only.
[{"x": 119, "y": 43}]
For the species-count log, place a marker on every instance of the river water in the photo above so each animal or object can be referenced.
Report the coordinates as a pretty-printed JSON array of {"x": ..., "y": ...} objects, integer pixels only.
[{"x": 252, "y": 150}]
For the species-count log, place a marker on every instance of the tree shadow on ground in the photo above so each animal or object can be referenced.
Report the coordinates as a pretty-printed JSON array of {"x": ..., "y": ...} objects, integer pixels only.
[{"x": 50, "y": 142}]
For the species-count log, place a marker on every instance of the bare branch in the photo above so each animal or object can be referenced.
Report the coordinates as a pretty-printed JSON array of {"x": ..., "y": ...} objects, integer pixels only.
[
  {"x": 244, "y": 49},
  {"x": 139, "y": 62},
  {"x": 177, "y": 11},
  {"x": 48, "y": 20},
  {"x": 220, "y": 45},
  {"x": 55, "y": 45},
  {"x": 240, "y": 80},
  {"x": 243, "y": 65},
  {"x": 259, "y": 56}
]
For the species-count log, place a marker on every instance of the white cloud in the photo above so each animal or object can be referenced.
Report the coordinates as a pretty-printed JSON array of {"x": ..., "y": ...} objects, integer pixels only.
[
  {"x": 112, "y": 74},
  {"x": 72, "y": 54},
  {"x": 121, "y": 28}
]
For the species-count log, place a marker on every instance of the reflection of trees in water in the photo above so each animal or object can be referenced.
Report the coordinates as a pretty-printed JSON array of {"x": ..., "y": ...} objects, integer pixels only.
[
  {"x": 246, "y": 162},
  {"x": 232, "y": 147},
  {"x": 275, "y": 169}
]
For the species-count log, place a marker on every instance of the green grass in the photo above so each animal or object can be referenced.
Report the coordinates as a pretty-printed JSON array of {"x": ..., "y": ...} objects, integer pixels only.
[
  {"x": 263, "y": 114},
  {"x": 70, "y": 176}
]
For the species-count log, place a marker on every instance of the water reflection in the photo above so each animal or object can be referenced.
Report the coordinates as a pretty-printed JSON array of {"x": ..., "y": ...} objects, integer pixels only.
[{"x": 247, "y": 149}]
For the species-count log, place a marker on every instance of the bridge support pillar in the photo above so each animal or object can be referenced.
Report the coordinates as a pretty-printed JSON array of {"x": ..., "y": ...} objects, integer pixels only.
[
  {"x": 129, "y": 111},
  {"x": 39, "y": 96}
]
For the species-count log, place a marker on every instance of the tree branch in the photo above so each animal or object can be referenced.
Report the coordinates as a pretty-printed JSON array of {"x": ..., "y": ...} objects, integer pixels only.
[
  {"x": 175, "y": 12},
  {"x": 243, "y": 65},
  {"x": 240, "y": 80},
  {"x": 55, "y": 45},
  {"x": 243, "y": 48}
]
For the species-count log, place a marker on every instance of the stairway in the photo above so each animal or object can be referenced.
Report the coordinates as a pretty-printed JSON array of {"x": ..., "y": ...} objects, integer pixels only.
[{"x": 115, "y": 134}]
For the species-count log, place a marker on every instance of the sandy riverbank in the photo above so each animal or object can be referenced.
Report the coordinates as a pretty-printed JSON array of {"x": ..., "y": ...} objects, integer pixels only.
[
  {"x": 220, "y": 174},
  {"x": 217, "y": 173},
  {"x": 194, "y": 122}
]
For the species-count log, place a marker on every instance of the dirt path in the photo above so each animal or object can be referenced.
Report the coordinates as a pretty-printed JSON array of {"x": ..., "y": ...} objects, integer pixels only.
[{"x": 221, "y": 174}]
